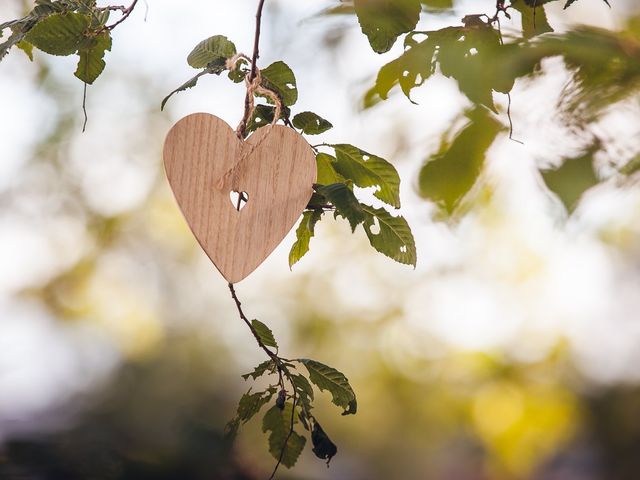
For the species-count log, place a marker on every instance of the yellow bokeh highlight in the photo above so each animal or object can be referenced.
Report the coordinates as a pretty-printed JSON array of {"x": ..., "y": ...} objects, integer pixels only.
[{"x": 522, "y": 425}]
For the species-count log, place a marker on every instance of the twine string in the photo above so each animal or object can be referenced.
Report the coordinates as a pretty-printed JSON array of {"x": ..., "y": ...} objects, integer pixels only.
[{"x": 254, "y": 87}]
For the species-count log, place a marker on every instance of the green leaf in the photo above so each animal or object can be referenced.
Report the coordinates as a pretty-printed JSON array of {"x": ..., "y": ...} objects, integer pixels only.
[
  {"x": 302, "y": 385},
  {"x": 264, "y": 367},
  {"x": 214, "y": 51},
  {"x": 263, "y": 116},
  {"x": 390, "y": 235},
  {"x": 282, "y": 440},
  {"x": 91, "y": 62},
  {"x": 311, "y": 123},
  {"x": 326, "y": 171},
  {"x": 279, "y": 78},
  {"x": 367, "y": 170},
  {"x": 328, "y": 378},
  {"x": 251, "y": 403},
  {"x": 572, "y": 178},
  {"x": 449, "y": 175},
  {"x": 264, "y": 333},
  {"x": 534, "y": 20},
  {"x": 323, "y": 447},
  {"x": 346, "y": 203},
  {"x": 60, "y": 33},
  {"x": 192, "y": 82},
  {"x": 27, "y": 48},
  {"x": 410, "y": 70},
  {"x": 465, "y": 54},
  {"x": 382, "y": 21},
  {"x": 304, "y": 233}
]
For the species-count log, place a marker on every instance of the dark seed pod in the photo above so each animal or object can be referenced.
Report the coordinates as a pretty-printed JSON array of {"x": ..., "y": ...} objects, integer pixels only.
[{"x": 282, "y": 396}]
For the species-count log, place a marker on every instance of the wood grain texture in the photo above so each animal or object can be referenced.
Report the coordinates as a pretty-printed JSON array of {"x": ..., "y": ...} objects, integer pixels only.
[{"x": 205, "y": 161}]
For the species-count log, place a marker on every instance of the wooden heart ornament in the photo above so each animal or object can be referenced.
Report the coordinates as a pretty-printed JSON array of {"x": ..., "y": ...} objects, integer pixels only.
[{"x": 205, "y": 161}]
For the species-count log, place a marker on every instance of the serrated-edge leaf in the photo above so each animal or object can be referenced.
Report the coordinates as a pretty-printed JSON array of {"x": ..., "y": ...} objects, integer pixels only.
[
  {"x": 382, "y": 21},
  {"x": 60, "y": 33},
  {"x": 213, "y": 51},
  {"x": 368, "y": 170},
  {"x": 251, "y": 403},
  {"x": 346, "y": 203},
  {"x": 260, "y": 370},
  {"x": 328, "y": 378},
  {"x": 192, "y": 82},
  {"x": 326, "y": 171},
  {"x": 278, "y": 423},
  {"x": 92, "y": 63},
  {"x": 394, "y": 238},
  {"x": 264, "y": 333},
  {"x": 304, "y": 233},
  {"x": 279, "y": 78},
  {"x": 311, "y": 123}
]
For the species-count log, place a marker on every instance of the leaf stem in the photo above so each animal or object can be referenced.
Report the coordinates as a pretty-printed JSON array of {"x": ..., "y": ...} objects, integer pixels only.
[
  {"x": 244, "y": 318},
  {"x": 125, "y": 14},
  {"x": 286, "y": 440}
]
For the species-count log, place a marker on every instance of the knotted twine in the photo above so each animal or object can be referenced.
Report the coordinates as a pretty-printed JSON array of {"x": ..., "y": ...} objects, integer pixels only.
[{"x": 254, "y": 87}]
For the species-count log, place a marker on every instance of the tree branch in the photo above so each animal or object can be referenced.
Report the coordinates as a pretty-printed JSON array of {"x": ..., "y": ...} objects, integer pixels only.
[
  {"x": 254, "y": 59},
  {"x": 244, "y": 318}
]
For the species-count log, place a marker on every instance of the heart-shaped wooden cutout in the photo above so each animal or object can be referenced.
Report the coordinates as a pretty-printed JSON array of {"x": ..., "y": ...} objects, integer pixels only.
[{"x": 205, "y": 161}]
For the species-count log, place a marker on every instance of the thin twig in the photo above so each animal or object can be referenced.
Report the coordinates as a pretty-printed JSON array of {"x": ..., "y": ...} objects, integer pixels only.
[
  {"x": 252, "y": 74},
  {"x": 272, "y": 355},
  {"x": 125, "y": 14},
  {"x": 84, "y": 107},
  {"x": 510, "y": 121}
]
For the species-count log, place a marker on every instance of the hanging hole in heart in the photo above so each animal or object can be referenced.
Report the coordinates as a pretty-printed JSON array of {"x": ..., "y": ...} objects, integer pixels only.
[{"x": 238, "y": 199}]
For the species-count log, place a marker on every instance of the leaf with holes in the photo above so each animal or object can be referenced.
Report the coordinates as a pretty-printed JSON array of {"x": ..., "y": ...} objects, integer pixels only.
[
  {"x": 282, "y": 440},
  {"x": 304, "y": 233},
  {"x": 311, "y": 123},
  {"x": 60, "y": 33},
  {"x": 326, "y": 171},
  {"x": 346, "y": 203},
  {"x": 263, "y": 116},
  {"x": 410, "y": 70},
  {"x": 279, "y": 78},
  {"x": 390, "y": 235},
  {"x": 382, "y": 21},
  {"x": 264, "y": 333},
  {"x": 328, "y": 378},
  {"x": 367, "y": 170},
  {"x": 92, "y": 62},
  {"x": 212, "y": 52}
]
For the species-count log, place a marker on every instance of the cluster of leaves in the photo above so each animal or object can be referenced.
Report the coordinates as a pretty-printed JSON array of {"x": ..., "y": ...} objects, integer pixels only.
[
  {"x": 65, "y": 27},
  {"x": 291, "y": 396},
  {"x": 338, "y": 173},
  {"x": 605, "y": 68}
]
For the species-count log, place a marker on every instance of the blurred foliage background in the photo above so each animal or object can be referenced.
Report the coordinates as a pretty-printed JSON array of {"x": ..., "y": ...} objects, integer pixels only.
[{"x": 510, "y": 352}]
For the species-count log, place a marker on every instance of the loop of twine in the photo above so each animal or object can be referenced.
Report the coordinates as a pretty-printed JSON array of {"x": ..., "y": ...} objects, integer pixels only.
[{"x": 254, "y": 87}]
